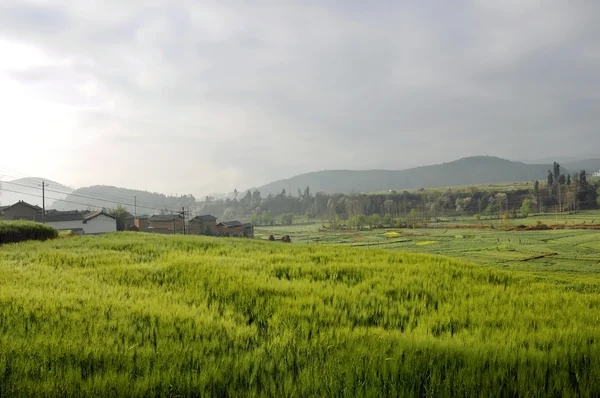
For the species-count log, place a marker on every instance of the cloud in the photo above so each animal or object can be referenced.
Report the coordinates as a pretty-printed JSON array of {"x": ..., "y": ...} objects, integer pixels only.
[{"x": 208, "y": 96}]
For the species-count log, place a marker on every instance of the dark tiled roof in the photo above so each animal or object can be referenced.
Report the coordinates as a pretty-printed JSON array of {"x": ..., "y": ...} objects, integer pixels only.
[
  {"x": 230, "y": 224},
  {"x": 204, "y": 218},
  {"x": 33, "y": 207},
  {"x": 57, "y": 216},
  {"x": 93, "y": 214},
  {"x": 247, "y": 225},
  {"x": 166, "y": 217}
]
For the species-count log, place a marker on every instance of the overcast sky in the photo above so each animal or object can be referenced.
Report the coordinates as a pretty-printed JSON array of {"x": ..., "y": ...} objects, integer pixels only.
[{"x": 207, "y": 96}]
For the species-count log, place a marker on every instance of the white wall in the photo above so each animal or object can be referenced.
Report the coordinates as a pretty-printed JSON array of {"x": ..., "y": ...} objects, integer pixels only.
[
  {"x": 100, "y": 225},
  {"x": 66, "y": 224}
]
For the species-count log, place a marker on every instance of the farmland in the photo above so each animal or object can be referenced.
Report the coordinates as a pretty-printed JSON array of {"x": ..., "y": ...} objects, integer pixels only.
[
  {"x": 136, "y": 314},
  {"x": 560, "y": 253}
]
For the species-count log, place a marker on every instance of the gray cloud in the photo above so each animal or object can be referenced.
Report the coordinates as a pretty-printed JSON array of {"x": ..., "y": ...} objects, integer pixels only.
[{"x": 239, "y": 94}]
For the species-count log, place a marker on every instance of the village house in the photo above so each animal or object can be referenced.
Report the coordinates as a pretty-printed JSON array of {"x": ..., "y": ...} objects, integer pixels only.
[
  {"x": 230, "y": 228},
  {"x": 597, "y": 174},
  {"x": 20, "y": 211},
  {"x": 203, "y": 225},
  {"x": 88, "y": 223},
  {"x": 166, "y": 224},
  {"x": 248, "y": 230},
  {"x": 127, "y": 222},
  {"x": 142, "y": 223}
]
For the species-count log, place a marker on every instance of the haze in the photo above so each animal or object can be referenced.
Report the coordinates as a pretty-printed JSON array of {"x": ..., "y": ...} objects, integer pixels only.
[{"x": 203, "y": 97}]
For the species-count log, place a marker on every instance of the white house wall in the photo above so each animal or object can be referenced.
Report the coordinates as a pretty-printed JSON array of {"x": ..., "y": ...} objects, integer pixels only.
[
  {"x": 100, "y": 225},
  {"x": 66, "y": 224}
]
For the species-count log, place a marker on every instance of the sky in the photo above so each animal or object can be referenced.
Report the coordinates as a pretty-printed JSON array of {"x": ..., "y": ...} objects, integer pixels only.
[{"x": 207, "y": 96}]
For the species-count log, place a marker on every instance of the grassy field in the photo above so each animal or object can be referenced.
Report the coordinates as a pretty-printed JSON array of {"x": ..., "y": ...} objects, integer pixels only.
[
  {"x": 563, "y": 252},
  {"x": 135, "y": 314}
]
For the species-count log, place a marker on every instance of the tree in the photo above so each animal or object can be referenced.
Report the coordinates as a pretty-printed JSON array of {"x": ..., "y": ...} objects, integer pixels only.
[
  {"x": 287, "y": 219},
  {"x": 267, "y": 218},
  {"x": 562, "y": 180},
  {"x": 235, "y": 194},
  {"x": 568, "y": 179},
  {"x": 376, "y": 220},
  {"x": 308, "y": 214},
  {"x": 120, "y": 214},
  {"x": 229, "y": 213},
  {"x": 478, "y": 218},
  {"x": 555, "y": 172},
  {"x": 550, "y": 180},
  {"x": 526, "y": 207},
  {"x": 254, "y": 219},
  {"x": 387, "y": 220},
  {"x": 361, "y": 221},
  {"x": 307, "y": 192}
]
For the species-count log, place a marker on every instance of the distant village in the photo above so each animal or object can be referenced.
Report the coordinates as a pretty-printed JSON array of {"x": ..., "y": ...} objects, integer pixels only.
[{"x": 101, "y": 222}]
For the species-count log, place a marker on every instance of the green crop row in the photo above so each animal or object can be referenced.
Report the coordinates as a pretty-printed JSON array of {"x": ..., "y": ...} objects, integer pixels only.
[
  {"x": 138, "y": 315},
  {"x": 19, "y": 231}
]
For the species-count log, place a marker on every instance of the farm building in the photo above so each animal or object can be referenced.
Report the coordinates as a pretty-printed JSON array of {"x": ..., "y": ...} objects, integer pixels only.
[
  {"x": 166, "y": 224},
  {"x": 203, "y": 225},
  {"x": 142, "y": 223},
  {"x": 230, "y": 228},
  {"x": 127, "y": 221},
  {"x": 248, "y": 230},
  {"x": 95, "y": 222},
  {"x": 597, "y": 174},
  {"x": 20, "y": 211}
]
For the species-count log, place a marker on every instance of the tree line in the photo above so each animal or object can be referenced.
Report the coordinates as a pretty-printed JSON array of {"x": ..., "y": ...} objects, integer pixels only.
[{"x": 558, "y": 193}]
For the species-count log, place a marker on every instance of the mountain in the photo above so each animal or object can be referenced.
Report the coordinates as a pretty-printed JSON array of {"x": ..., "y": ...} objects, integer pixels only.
[
  {"x": 465, "y": 171},
  {"x": 135, "y": 201},
  {"x": 589, "y": 165},
  {"x": 30, "y": 190}
]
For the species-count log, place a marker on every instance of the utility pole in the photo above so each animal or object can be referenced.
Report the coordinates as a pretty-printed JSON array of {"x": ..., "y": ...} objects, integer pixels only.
[
  {"x": 183, "y": 215},
  {"x": 44, "y": 202}
]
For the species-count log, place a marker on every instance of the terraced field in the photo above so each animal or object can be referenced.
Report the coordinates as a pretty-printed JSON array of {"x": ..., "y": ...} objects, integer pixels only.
[{"x": 568, "y": 252}]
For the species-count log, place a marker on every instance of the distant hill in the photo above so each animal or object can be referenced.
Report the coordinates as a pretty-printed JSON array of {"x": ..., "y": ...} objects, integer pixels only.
[
  {"x": 110, "y": 197},
  {"x": 466, "y": 171},
  {"x": 30, "y": 190},
  {"x": 589, "y": 165}
]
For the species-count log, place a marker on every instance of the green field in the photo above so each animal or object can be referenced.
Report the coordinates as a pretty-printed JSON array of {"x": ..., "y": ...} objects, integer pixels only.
[
  {"x": 136, "y": 314},
  {"x": 561, "y": 252}
]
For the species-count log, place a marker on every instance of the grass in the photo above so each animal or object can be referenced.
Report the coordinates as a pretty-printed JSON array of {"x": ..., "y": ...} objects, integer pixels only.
[{"x": 136, "y": 314}]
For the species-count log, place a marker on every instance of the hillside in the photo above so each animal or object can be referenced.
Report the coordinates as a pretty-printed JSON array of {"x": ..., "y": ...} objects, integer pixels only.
[
  {"x": 466, "y": 171},
  {"x": 29, "y": 189},
  {"x": 589, "y": 165},
  {"x": 111, "y": 197}
]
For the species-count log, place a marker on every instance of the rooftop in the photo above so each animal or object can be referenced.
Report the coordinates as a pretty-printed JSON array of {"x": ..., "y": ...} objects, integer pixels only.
[
  {"x": 205, "y": 217},
  {"x": 230, "y": 224},
  {"x": 165, "y": 217}
]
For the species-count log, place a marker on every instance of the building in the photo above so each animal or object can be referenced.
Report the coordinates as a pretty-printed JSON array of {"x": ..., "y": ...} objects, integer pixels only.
[
  {"x": 127, "y": 222},
  {"x": 230, "y": 228},
  {"x": 597, "y": 174},
  {"x": 166, "y": 224},
  {"x": 142, "y": 223},
  {"x": 248, "y": 230},
  {"x": 20, "y": 211},
  {"x": 90, "y": 223},
  {"x": 203, "y": 225}
]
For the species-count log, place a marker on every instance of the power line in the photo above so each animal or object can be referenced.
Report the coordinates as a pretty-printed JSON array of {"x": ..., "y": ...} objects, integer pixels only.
[
  {"x": 92, "y": 198},
  {"x": 144, "y": 204}
]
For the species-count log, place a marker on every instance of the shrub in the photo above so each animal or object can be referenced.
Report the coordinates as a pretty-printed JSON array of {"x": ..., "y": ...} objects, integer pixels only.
[{"x": 19, "y": 231}]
